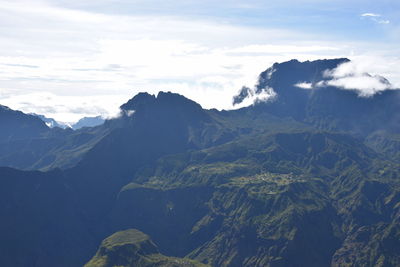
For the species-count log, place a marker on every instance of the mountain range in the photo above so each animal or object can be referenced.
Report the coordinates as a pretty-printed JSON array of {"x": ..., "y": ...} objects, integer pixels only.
[
  {"x": 303, "y": 177},
  {"x": 84, "y": 122}
]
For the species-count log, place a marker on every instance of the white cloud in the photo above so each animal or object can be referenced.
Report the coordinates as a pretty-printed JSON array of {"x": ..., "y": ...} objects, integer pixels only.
[
  {"x": 351, "y": 76},
  {"x": 365, "y": 85},
  {"x": 384, "y": 21},
  {"x": 78, "y": 53},
  {"x": 68, "y": 109},
  {"x": 276, "y": 49},
  {"x": 304, "y": 85},
  {"x": 370, "y": 15},
  {"x": 129, "y": 113},
  {"x": 375, "y": 17},
  {"x": 266, "y": 94}
]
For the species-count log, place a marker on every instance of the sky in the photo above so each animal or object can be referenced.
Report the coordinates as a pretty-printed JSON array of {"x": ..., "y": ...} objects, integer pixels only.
[{"x": 67, "y": 59}]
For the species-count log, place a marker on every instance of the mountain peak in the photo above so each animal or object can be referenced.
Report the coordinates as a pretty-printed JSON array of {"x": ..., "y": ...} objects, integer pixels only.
[
  {"x": 134, "y": 248},
  {"x": 325, "y": 63},
  {"x": 88, "y": 122},
  {"x": 163, "y": 101},
  {"x": 138, "y": 101},
  {"x": 318, "y": 91},
  {"x": 289, "y": 73},
  {"x": 18, "y": 125},
  {"x": 281, "y": 78},
  {"x": 4, "y": 107},
  {"x": 177, "y": 101}
]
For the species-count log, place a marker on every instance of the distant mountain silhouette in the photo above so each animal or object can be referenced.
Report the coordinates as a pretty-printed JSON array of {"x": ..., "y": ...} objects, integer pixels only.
[
  {"x": 88, "y": 122},
  {"x": 50, "y": 122},
  {"x": 26, "y": 142},
  {"x": 18, "y": 125}
]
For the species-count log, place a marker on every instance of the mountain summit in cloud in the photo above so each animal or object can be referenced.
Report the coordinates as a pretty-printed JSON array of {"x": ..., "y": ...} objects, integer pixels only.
[
  {"x": 285, "y": 79},
  {"x": 326, "y": 92}
]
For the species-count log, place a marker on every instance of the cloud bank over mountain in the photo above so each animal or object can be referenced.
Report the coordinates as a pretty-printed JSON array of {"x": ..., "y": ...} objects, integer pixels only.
[{"x": 349, "y": 76}]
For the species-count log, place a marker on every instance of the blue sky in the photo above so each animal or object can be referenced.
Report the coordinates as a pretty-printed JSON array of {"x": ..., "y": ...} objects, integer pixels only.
[
  {"x": 341, "y": 18},
  {"x": 68, "y": 59}
]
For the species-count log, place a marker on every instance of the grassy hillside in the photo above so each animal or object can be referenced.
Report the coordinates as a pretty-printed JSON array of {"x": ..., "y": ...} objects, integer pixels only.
[{"x": 132, "y": 248}]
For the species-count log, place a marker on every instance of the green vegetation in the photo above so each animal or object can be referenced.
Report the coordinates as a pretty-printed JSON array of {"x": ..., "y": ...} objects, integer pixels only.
[
  {"x": 132, "y": 248},
  {"x": 285, "y": 197}
]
